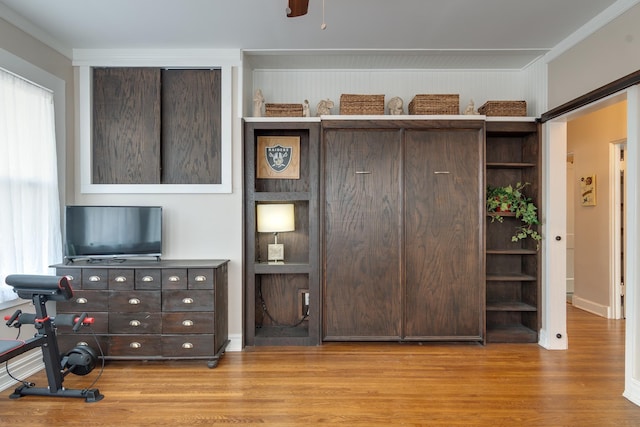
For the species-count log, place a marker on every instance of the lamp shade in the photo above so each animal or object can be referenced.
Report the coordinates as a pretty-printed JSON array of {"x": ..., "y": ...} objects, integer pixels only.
[{"x": 274, "y": 218}]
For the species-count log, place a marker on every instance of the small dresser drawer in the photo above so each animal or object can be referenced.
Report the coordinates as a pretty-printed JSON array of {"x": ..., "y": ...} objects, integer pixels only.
[
  {"x": 95, "y": 278},
  {"x": 67, "y": 342},
  {"x": 187, "y": 300},
  {"x": 188, "y": 323},
  {"x": 174, "y": 278},
  {"x": 148, "y": 279},
  {"x": 134, "y": 301},
  {"x": 187, "y": 345},
  {"x": 89, "y": 301},
  {"x": 135, "y": 323},
  {"x": 121, "y": 279},
  {"x": 135, "y": 345},
  {"x": 201, "y": 278}
]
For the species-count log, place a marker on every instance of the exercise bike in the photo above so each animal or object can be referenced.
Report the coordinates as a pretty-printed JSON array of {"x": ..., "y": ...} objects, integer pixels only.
[{"x": 80, "y": 360}]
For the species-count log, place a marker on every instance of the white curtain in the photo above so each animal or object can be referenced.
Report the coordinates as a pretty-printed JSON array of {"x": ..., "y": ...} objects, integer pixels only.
[{"x": 30, "y": 237}]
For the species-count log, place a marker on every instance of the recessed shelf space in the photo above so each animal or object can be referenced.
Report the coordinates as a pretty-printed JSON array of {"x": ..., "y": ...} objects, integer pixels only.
[
  {"x": 512, "y": 268},
  {"x": 272, "y": 290}
]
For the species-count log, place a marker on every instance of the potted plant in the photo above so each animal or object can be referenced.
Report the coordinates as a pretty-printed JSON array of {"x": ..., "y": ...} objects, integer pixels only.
[{"x": 512, "y": 199}]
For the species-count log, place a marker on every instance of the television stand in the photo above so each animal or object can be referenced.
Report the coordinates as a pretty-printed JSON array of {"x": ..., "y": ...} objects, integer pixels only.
[{"x": 151, "y": 309}]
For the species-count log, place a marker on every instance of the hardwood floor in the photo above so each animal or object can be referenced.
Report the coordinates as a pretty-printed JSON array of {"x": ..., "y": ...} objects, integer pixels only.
[{"x": 361, "y": 385}]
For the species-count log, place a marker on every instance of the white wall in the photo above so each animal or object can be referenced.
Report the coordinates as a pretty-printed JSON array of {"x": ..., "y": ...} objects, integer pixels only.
[
  {"x": 606, "y": 55},
  {"x": 588, "y": 138},
  {"x": 294, "y": 86}
]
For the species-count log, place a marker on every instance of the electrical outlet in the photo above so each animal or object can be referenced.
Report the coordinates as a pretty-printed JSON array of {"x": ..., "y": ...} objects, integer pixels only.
[{"x": 303, "y": 303}]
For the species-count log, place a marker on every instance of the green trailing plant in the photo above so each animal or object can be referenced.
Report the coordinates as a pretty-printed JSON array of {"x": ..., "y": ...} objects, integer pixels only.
[{"x": 512, "y": 199}]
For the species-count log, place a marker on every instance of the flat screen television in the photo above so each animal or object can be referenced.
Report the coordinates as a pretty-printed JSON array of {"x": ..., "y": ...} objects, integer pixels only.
[{"x": 98, "y": 232}]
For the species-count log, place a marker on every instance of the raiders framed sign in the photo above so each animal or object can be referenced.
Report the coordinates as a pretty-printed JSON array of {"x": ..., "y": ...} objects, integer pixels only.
[{"x": 278, "y": 157}]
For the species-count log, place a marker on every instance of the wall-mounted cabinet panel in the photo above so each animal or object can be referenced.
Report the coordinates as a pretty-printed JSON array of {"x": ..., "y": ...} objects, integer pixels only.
[
  {"x": 153, "y": 126},
  {"x": 126, "y": 126}
]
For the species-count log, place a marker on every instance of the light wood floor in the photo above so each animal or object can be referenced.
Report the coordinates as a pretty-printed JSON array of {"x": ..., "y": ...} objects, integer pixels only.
[{"x": 361, "y": 385}]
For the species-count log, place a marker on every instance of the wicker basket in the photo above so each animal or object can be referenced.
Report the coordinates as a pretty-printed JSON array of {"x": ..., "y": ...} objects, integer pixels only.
[
  {"x": 283, "y": 110},
  {"x": 504, "y": 108},
  {"x": 361, "y": 104},
  {"x": 426, "y": 104}
]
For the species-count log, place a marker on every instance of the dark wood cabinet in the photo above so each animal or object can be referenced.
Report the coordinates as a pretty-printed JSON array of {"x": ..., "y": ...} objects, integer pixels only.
[
  {"x": 513, "y": 268},
  {"x": 150, "y": 309},
  {"x": 403, "y": 227},
  {"x": 156, "y": 126},
  {"x": 276, "y": 311}
]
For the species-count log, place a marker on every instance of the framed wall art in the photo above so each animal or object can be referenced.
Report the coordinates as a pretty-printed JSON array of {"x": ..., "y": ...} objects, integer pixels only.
[
  {"x": 278, "y": 157},
  {"x": 588, "y": 190}
]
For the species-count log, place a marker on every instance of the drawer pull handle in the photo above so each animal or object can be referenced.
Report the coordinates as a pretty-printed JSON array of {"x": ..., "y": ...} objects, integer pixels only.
[
  {"x": 147, "y": 279},
  {"x": 135, "y": 345},
  {"x": 69, "y": 277},
  {"x": 187, "y": 300},
  {"x": 81, "y": 301},
  {"x": 363, "y": 172},
  {"x": 121, "y": 279},
  {"x": 187, "y": 323},
  {"x": 82, "y": 343},
  {"x": 134, "y": 323},
  {"x": 174, "y": 278},
  {"x": 94, "y": 278},
  {"x": 201, "y": 278},
  {"x": 441, "y": 173},
  {"x": 134, "y": 301},
  {"x": 187, "y": 345}
]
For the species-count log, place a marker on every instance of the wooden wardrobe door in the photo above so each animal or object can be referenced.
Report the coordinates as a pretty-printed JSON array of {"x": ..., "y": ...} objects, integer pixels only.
[
  {"x": 443, "y": 231},
  {"x": 362, "y": 208}
]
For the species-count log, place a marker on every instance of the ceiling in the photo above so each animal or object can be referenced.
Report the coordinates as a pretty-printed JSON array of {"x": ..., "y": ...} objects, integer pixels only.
[{"x": 429, "y": 33}]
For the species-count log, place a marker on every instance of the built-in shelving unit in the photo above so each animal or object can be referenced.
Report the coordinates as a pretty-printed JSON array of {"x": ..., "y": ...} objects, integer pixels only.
[
  {"x": 276, "y": 311},
  {"x": 513, "y": 268}
]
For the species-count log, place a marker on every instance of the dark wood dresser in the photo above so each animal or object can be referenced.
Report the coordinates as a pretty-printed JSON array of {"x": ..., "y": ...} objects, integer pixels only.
[{"x": 149, "y": 310}]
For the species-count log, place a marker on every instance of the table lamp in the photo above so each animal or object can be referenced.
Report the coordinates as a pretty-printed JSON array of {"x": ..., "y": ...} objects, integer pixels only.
[{"x": 275, "y": 218}]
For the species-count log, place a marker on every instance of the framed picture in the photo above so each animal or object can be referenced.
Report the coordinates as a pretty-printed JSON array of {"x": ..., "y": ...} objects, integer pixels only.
[
  {"x": 588, "y": 190},
  {"x": 278, "y": 157}
]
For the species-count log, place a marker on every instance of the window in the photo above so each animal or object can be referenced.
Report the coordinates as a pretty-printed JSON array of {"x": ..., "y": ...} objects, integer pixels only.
[{"x": 30, "y": 237}]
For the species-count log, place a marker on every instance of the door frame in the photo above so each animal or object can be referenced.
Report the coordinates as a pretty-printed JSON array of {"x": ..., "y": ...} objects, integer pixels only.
[
  {"x": 618, "y": 195},
  {"x": 553, "y": 333}
]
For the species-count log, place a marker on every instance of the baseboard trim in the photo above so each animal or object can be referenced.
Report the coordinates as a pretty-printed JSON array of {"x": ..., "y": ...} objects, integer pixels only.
[
  {"x": 235, "y": 343},
  {"x": 22, "y": 367},
  {"x": 590, "y": 306}
]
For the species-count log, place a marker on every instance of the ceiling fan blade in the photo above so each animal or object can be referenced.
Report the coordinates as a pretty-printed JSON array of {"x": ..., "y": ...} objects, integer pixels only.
[{"x": 297, "y": 8}]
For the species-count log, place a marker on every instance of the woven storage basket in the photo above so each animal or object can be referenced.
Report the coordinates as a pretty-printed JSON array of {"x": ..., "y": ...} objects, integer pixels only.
[
  {"x": 361, "y": 104},
  {"x": 426, "y": 104},
  {"x": 504, "y": 108},
  {"x": 283, "y": 110}
]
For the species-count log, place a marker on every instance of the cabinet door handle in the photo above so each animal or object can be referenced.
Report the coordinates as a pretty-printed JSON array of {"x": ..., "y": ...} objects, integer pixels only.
[
  {"x": 187, "y": 323},
  {"x": 120, "y": 279},
  {"x": 147, "y": 279},
  {"x": 134, "y": 301},
  {"x": 187, "y": 345},
  {"x": 94, "y": 278},
  {"x": 134, "y": 323},
  {"x": 441, "y": 173},
  {"x": 135, "y": 345},
  {"x": 187, "y": 300},
  {"x": 363, "y": 172},
  {"x": 174, "y": 278},
  {"x": 201, "y": 278},
  {"x": 81, "y": 300},
  {"x": 69, "y": 277}
]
